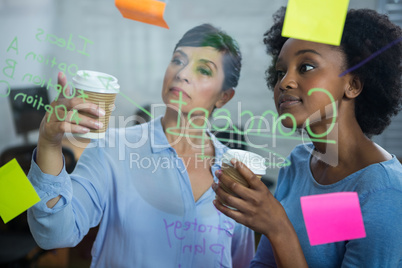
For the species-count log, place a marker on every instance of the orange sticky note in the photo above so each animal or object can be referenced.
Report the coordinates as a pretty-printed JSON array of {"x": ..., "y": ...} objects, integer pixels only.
[
  {"x": 147, "y": 11},
  {"x": 16, "y": 191}
]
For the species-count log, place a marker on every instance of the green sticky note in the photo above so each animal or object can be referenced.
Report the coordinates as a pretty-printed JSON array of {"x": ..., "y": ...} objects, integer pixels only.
[
  {"x": 320, "y": 21},
  {"x": 16, "y": 191}
]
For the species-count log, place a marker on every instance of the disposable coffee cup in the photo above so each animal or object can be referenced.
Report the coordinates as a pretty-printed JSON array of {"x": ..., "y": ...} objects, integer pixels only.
[
  {"x": 101, "y": 89},
  {"x": 253, "y": 161}
]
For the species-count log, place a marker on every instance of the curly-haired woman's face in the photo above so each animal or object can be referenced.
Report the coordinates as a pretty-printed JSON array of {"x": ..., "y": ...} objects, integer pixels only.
[{"x": 302, "y": 66}]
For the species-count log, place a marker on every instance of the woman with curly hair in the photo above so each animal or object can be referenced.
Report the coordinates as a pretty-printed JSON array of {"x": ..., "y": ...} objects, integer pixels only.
[{"x": 365, "y": 99}]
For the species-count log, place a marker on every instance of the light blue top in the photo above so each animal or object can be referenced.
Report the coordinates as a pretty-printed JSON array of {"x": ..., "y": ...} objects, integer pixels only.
[
  {"x": 137, "y": 188},
  {"x": 379, "y": 187}
]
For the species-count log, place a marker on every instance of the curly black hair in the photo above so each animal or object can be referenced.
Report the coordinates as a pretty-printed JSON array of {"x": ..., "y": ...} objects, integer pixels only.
[{"x": 365, "y": 32}]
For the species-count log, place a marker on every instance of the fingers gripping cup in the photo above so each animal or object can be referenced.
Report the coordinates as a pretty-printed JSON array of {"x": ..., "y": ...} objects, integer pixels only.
[
  {"x": 254, "y": 162},
  {"x": 101, "y": 89}
]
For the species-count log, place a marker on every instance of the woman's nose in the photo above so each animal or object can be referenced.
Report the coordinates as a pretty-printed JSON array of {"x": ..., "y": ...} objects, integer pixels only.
[
  {"x": 288, "y": 81},
  {"x": 184, "y": 73}
]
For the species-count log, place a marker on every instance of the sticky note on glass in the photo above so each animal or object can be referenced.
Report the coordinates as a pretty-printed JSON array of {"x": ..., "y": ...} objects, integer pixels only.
[
  {"x": 16, "y": 191},
  {"x": 147, "y": 11},
  {"x": 315, "y": 20},
  {"x": 332, "y": 217}
]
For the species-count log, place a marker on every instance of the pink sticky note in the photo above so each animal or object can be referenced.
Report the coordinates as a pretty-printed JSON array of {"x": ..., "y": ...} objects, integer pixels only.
[{"x": 332, "y": 217}]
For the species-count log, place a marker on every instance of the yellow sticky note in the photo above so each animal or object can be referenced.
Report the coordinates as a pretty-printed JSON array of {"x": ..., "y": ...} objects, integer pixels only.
[
  {"x": 16, "y": 191},
  {"x": 147, "y": 11},
  {"x": 320, "y": 21}
]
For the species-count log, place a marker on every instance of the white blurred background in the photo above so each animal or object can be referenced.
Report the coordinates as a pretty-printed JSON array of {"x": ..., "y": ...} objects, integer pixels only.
[{"x": 137, "y": 53}]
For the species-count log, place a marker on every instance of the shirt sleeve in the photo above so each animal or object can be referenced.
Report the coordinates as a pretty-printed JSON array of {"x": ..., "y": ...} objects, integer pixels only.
[
  {"x": 382, "y": 246},
  {"x": 70, "y": 219},
  {"x": 243, "y": 246},
  {"x": 264, "y": 256}
]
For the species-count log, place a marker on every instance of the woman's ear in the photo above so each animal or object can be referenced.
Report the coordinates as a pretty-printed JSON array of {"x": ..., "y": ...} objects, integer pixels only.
[
  {"x": 355, "y": 87},
  {"x": 226, "y": 96}
]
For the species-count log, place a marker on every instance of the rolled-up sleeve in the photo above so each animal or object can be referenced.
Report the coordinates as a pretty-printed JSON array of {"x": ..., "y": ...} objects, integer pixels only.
[
  {"x": 70, "y": 219},
  {"x": 48, "y": 187}
]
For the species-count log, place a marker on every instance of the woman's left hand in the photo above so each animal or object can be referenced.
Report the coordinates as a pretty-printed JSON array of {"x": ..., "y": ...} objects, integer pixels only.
[{"x": 256, "y": 207}]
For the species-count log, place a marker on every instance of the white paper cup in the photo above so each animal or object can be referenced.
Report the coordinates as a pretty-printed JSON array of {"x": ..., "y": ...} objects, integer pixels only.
[
  {"x": 253, "y": 161},
  {"x": 101, "y": 89}
]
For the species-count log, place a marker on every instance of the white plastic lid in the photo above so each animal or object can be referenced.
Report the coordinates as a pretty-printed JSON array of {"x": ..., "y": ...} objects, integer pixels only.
[
  {"x": 254, "y": 162},
  {"x": 96, "y": 82}
]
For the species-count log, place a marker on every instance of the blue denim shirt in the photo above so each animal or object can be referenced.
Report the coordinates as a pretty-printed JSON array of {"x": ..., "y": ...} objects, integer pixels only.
[{"x": 133, "y": 184}]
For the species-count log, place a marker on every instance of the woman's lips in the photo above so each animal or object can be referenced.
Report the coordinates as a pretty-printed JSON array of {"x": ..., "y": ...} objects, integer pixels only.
[
  {"x": 176, "y": 91},
  {"x": 287, "y": 101}
]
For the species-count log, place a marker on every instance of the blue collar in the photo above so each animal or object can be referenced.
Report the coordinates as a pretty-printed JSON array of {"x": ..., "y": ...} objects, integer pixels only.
[
  {"x": 160, "y": 143},
  {"x": 157, "y": 136}
]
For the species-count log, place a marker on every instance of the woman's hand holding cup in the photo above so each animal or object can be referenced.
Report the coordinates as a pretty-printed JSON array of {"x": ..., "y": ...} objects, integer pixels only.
[
  {"x": 49, "y": 155},
  {"x": 52, "y": 129},
  {"x": 254, "y": 206}
]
